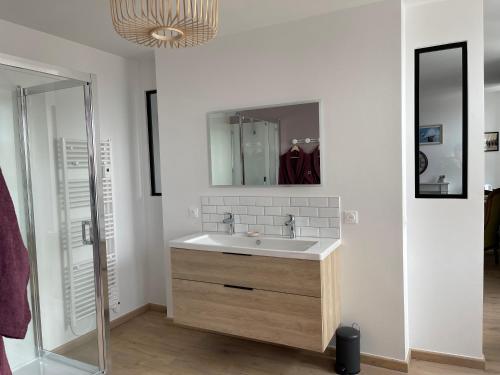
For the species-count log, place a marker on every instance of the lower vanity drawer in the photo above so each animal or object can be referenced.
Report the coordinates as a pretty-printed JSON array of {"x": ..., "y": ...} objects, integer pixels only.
[{"x": 282, "y": 318}]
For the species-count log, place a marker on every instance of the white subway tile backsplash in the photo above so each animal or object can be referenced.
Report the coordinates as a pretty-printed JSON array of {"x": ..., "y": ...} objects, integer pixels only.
[
  {"x": 221, "y": 210},
  {"x": 209, "y": 209},
  {"x": 319, "y": 222},
  {"x": 241, "y": 228},
  {"x": 247, "y": 201},
  {"x": 301, "y": 221},
  {"x": 239, "y": 210},
  {"x": 334, "y": 202},
  {"x": 329, "y": 212},
  {"x": 318, "y": 202},
  {"x": 256, "y": 228},
  {"x": 272, "y": 211},
  {"x": 264, "y": 201},
  {"x": 280, "y": 220},
  {"x": 281, "y": 201},
  {"x": 314, "y": 216},
  {"x": 308, "y": 211},
  {"x": 209, "y": 227},
  {"x": 335, "y": 222},
  {"x": 222, "y": 227},
  {"x": 309, "y": 232},
  {"x": 216, "y": 218},
  {"x": 247, "y": 219},
  {"x": 231, "y": 201},
  {"x": 273, "y": 230},
  {"x": 265, "y": 220},
  {"x": 215, "y": 201},
  {"x": 290, "y": 211},
  {"x": 300, "y": 202},
  {"x": 254, "y": 210}
]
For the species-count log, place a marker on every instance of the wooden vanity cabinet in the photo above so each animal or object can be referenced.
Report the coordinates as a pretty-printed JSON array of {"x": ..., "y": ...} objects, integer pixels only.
[{"x": 285, "y": 301}]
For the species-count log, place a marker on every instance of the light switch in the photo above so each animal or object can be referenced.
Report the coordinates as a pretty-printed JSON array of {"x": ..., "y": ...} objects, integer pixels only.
[
  {"x": 194, "y": 212},
  {"x": 351, "y": 217}
]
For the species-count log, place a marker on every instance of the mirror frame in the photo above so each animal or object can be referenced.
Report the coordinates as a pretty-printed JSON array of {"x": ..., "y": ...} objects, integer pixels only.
[
  {"x": 152, "y": 164},
  {"x": 321, "y": 136},
  {"x": 465, "y": 120}
]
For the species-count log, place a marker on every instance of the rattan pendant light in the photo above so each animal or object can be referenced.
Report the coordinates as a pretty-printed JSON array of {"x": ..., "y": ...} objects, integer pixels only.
[{"x": 162, "y": 23}]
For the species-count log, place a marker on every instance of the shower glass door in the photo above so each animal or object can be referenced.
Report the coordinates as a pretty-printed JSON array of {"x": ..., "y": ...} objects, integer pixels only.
[{"x": 58, "y": 212}]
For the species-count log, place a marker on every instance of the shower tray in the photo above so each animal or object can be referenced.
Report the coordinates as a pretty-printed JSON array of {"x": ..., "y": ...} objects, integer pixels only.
[{"x": 53, "y": 364}]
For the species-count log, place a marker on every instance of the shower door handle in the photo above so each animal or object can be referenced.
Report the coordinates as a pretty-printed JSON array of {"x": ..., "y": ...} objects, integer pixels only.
[{"x": 85, "y": 241}]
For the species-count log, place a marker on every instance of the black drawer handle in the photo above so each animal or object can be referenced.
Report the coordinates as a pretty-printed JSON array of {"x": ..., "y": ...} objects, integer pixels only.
[
  {"x": 241, "y": 255},
  {"x": 237, "y": 287}
]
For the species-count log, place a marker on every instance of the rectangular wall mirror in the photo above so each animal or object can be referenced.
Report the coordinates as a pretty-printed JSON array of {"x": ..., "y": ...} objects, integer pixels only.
[
  {"x": 154, "y": 142},
  {"x": 441, "y": 121},
  {"x": 272, "y": 145}
]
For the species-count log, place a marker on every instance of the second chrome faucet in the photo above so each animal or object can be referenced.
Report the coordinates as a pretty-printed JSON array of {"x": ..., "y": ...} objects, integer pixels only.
[
  {"x": 290, "y": 223},
  {"x": 230, "y": 221}
]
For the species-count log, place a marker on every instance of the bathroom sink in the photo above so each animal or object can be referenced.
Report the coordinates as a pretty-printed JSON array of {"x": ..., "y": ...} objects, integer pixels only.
[
  {"x": 252, "y": 242},
  {"x": 299, "y": 248}
]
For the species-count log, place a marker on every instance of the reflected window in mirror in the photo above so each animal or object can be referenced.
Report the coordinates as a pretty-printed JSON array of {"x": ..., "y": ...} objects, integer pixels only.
[
  {"x": 272, "y": 145},
  {"x": 441, "y": 121}
]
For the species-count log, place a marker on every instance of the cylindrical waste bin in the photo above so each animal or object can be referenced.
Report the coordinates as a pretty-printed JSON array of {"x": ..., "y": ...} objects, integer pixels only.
[{"x": 348, "y": 350}]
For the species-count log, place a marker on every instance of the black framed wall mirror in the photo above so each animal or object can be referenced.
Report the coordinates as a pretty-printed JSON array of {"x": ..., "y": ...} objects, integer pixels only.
[
  {"x": 441, "y": 121},
  {"x": 154, "y": 142}
]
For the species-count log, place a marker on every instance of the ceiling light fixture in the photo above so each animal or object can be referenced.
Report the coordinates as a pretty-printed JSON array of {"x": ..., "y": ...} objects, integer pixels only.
[{"x": 162, "y": 23}]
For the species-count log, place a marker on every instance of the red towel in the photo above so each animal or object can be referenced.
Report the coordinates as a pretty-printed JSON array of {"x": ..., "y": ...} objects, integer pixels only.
[
  {"x": 295, "y": 168},
  {"x": 14, "y": 275}
]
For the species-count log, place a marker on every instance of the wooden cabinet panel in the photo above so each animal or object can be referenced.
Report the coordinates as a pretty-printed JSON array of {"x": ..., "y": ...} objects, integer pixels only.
[
  {"x": 282, "y": 318},
  {"x": 330, "y": 297},
  {"x": 293, "y": 276}
]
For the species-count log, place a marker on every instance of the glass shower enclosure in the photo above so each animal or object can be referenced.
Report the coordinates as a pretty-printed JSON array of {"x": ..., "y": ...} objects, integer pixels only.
[{"x": 49, "y": 159}]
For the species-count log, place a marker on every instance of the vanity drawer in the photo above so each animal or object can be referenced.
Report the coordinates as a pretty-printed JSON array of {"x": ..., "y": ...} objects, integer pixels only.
[
  {"x": 285, "y": 275},
  {"x": 281, "y": 318}
]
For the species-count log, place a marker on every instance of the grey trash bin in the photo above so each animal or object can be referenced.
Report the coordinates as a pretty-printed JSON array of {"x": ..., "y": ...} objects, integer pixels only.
[{"x": 348, "y": 351}]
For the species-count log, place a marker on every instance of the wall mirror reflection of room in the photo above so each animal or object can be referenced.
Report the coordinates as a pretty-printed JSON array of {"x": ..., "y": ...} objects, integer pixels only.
[
  {"x": 441, "y": 122},
  {"x": 272, "y": 145}
]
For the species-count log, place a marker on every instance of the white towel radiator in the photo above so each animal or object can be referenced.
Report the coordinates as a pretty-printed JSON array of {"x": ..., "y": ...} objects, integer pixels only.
[{"x": 75, "y": 204}]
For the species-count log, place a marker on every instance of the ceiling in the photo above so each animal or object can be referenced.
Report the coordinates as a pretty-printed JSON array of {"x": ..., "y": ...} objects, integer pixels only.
[
  {"x": 89, "y": 22},
  {"x": 492, "y": 41}
]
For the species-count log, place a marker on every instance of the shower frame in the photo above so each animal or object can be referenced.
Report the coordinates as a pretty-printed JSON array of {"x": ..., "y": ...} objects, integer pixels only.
[{"x": 87, "y": 82}]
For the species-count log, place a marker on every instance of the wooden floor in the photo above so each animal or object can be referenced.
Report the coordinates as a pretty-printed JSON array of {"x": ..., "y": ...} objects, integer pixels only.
[{"x": 150, "y": 345}]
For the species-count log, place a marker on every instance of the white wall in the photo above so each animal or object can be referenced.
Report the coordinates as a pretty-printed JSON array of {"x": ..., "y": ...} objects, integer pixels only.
[
  {"x": 445, "y": 237},
  {"x": 492, "y": 124},
  {"x": 351, "y": 60},
  {"x": 115, "y": 115},
  {"x": 151, "y": 221}
]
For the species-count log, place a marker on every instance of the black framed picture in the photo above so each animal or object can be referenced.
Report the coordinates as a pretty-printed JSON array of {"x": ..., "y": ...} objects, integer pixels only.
[
  {"x": 490, "y": 141},
  {"x": 431, "y": 135}
]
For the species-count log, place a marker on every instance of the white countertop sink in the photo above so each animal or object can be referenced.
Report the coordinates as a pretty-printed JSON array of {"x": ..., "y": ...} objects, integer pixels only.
[{"x": 299, "y": 248}]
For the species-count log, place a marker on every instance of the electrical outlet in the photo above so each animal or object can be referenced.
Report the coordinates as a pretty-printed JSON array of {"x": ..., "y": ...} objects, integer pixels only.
[
  {"x": 194, "y": 212},
  {"x": 351, "y": 217},
  {"x": 106, "y": 171}
]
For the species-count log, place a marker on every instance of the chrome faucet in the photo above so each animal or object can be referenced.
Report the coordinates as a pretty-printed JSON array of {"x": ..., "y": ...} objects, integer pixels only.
[
  {"x": 291, "y": 223},
  {"x": 229, "y": 220}
]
